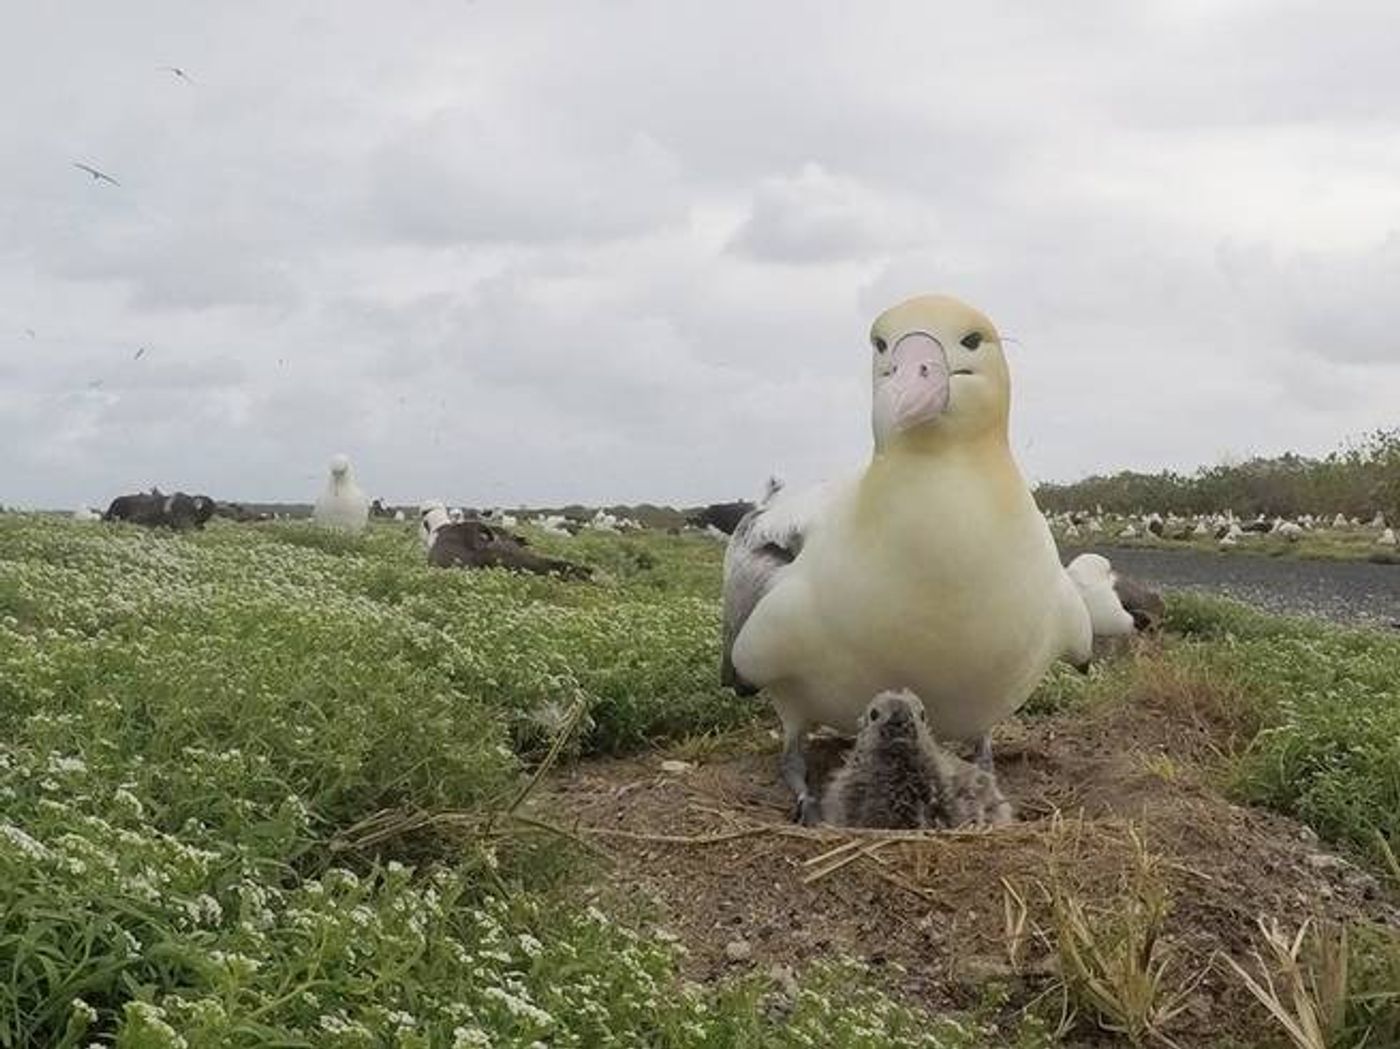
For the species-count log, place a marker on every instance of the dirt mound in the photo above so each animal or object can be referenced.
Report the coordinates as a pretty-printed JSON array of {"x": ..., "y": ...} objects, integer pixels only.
[{"x": 711, "y": 846}]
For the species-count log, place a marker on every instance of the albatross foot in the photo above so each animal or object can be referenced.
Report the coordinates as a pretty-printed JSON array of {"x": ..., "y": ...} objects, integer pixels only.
[
  {"x": 982, "y": 755},
  {"x": 808, "y": 810}
]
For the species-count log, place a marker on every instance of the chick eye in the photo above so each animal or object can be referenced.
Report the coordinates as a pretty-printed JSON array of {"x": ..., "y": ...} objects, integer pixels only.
[
  {"x": 880, "y": 344},
  {"x": 972, "y": 340},
  {"x": 873, "y": 715}
]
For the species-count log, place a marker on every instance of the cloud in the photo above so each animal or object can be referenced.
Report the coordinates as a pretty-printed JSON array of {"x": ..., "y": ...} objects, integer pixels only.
[
  {"x": 815, "y": 216},
  {"x": 1333, "y": 305},
  {"x": 456, "y": 178},
  {"x": 633, "y": 251}
]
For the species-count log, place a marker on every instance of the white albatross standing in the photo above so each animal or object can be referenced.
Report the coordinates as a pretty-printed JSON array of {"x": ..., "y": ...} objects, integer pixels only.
[
  {"x": 932, "y": 570},
  {"x": 341, "y": 504},
  {"x": 1094, "y": 576}
]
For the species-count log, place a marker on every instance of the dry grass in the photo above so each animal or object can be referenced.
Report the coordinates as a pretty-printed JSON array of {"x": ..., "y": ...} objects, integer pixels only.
[
  {"x": 1306, "y": 996},
  {"x": 1390, "y": 863},
  {"x": 1016, "y": 925},
  {"x": 1114, "y": 962},
  {"x": 1327, "y": 985},
  {"x": 1196, "y": 695}
]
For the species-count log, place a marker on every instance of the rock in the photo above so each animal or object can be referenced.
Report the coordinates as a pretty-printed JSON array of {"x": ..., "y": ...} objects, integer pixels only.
[
  {"x": 738, "y": 950},
  {"x": 1198, "y": 1006},
  {"x": 978, "y": 970},
  {"x": 1323, "y": 861},
  {"x": 676, "y": 768},
  {"x": 785, "y": 978}
]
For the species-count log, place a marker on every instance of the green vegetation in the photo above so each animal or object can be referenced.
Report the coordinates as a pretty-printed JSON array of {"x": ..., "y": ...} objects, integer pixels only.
[
  {"x": 1314, "y": 709},
  {"x": 1328, "y": 703},
  {"x": 1356, "y": 481},
  {"x": 188, "y": 723}
]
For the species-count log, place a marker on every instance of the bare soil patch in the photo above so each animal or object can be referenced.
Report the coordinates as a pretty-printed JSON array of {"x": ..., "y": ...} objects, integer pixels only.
[{"x": 712, "y": 850}]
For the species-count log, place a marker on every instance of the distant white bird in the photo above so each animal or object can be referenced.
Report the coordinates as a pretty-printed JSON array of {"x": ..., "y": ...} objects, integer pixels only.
[
  {"x": 1387, "y": 538},
  {"x": 1093, "y": 575},
  {"x": 1290, "y": 531},
  {"x": 1128, "y": 533},
  {"x": 553, "y": 524},
  {"x": 432, "y": 515},
  {"x": 84, "y": 513},
  {"x": 1378, "y": 521},
  {"x": 177, "y": 71},
  {"x": 1339, "y": 521},
  {"x": 398, "y": 516},
  {"x": 97, "y": 176},
  {"x": 342, "y": 505}
]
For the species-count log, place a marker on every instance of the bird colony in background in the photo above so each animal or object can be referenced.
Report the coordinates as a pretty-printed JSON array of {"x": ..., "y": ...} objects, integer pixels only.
[{"x": 1223, "y": 527}]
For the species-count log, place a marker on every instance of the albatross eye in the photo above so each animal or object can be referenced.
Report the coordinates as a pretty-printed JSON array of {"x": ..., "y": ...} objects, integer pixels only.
[
  {"x": 880, "y": 344},
  {"x": 972, "y": 340}
]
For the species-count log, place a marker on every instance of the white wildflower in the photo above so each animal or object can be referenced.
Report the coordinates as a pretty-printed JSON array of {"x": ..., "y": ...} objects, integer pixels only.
[
  {"x": 130, "y": 802},
  {"x": 519, "y": 1007},
  {"x": 22, "y": 841},
  {"x": 83, "y": 1011}
]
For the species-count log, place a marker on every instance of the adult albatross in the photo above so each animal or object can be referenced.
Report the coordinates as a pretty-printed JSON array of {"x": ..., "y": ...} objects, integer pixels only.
[{"x": 931, "y": 570}]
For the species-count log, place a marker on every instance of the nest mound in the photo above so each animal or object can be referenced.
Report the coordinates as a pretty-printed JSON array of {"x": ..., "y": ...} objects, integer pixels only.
[{"x": 1115, "y": 803}]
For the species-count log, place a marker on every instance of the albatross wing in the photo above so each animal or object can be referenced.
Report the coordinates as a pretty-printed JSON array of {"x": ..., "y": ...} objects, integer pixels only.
[{"x": 766, "y": 541}]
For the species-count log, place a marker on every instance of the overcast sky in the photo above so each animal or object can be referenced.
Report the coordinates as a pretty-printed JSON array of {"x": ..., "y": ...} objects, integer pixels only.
[{"x": 502, "y": 251}]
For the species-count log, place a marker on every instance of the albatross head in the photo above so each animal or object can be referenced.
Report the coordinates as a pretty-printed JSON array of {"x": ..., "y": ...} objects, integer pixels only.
[
  {"x": 340, "y": 466},
  {"x": 893, "y": 717},
  {"x": 937, "y": 369}
]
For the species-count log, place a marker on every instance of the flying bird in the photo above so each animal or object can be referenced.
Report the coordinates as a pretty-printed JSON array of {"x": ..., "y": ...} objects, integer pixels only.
[
  {"x": 177, "y": 71},
  {"x": 30, "y": 333},
  {"x": 97, "y": 176},
  {"x": 139, "y": 354}
]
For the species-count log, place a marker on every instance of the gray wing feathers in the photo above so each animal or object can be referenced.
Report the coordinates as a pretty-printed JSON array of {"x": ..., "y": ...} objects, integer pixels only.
[
  {"x": 752, "y": 563},
  {"x": 766, "y": 541}
]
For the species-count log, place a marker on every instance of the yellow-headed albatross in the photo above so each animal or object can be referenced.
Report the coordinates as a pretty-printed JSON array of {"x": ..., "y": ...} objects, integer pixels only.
[{"x": 932, "y": 570}]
